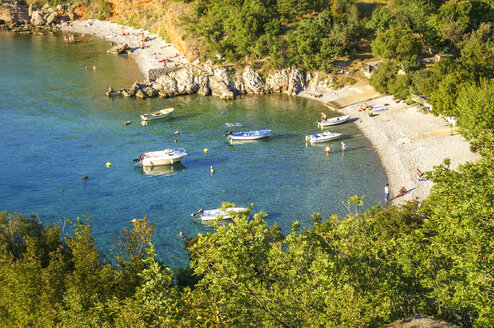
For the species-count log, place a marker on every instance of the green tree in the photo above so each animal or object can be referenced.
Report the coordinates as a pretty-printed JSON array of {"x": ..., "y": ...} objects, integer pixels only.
[
  {"x": 384, "y": 76},
  {"x": 459, "y": 255},
  {"x": 475, "y": 102},
  {"x": 396, "y": 43}
]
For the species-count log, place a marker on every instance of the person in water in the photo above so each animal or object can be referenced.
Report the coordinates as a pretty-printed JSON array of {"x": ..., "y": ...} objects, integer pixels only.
[
  {"x": 327, "y": 150},
  {"x": 343, "y": 146}
]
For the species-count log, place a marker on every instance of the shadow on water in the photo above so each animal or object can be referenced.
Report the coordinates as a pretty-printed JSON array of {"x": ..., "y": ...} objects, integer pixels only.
[{"x": 166, "y": 170}]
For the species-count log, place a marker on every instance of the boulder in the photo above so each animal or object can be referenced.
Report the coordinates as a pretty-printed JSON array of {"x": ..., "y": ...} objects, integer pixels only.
[
  {"x": 37, "y": 18},
  {"x": 220, "y": 89},
  {"x": 296, "y": 82},
  {"x": 140, "y": 94},
  {"x": 278, "y": 81},
  {"x": 119, "y": 49},
  {"x": 149, "y": 92},
  {"x": 253, "y": 82},
  {"x": 51, "y": 18}
]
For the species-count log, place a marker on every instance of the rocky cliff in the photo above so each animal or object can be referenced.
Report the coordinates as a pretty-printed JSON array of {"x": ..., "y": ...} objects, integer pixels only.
[{"x": 228, "y": 82}]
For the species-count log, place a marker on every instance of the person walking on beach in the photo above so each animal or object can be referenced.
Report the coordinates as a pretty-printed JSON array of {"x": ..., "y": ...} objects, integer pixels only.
[{"x": 386, "y": 193}]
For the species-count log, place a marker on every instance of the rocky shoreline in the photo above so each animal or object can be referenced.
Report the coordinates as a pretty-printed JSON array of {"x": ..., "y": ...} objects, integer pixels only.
[
  {"x": 226, "y": 83},
  {"x": 18, "y": 17}
]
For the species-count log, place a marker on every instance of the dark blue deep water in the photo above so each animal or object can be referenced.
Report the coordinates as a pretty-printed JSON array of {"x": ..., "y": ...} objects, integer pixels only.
[{"x": 58, "y": 125}]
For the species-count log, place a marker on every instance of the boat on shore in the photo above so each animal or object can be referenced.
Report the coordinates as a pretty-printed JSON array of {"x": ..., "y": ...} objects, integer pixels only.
[
  {"x": 248, "y": 135},
  {"x": 321, "y": 137},
  {"x": 221, "y": 214},
  {"x": 162, "y": 113},
  {"x": 161, "y": 157},
  {"x": 333, "y": 121}
]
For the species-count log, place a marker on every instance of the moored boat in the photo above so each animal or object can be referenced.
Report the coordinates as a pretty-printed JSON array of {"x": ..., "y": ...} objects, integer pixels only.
[
  {"x": 161, "y": 157},
  {"x": 228, "y": 213},
  {"x": 322, "y": 137},
  {"x": 249, "y": 135},
  {"x": 162, "y": 113},
  {"x": 333, "y": 121}
]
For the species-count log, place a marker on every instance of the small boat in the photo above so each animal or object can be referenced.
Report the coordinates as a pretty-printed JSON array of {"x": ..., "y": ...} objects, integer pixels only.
[
  {"x": 333, "y": 121},
  {"x": 162, "y": 113},
  {"x": 228, "y": 213},
  {"x": 161, "y": 157},
  {"x": 249, "y": 135},
  {"x": 322, "y": 137}
]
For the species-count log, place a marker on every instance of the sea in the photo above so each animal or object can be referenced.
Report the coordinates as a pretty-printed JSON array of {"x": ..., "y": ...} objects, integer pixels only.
[{"x": 58, "y": 126}]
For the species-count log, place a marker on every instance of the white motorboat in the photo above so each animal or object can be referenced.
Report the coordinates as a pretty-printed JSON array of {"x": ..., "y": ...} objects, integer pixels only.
[
  {"x": 333, "y": 121},
  {"x": 322, "y": 137},
  {"x": 162, "y": 113},
  {"x": 249, "y": 135},
  {"x": 210, "y": 215},
  {"x": 161, "y": 157}
]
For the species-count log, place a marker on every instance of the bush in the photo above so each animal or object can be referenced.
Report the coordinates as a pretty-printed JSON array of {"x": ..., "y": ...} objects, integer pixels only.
[{"x": 384, "y": 76}]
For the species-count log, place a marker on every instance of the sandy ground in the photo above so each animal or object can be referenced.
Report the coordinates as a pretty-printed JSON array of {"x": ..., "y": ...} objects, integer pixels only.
[
  {"x": 405, "y": 137},
  {"x": 151, "y": 56}
]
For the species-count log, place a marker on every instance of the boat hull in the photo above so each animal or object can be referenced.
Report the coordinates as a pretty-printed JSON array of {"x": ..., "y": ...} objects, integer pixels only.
[
  {"x": 333, "y": 121},
  {"x": 250, "y": 135},
  {"x": 163, "y": 157},
  {"x": 215, "y": 214},
  {"x": 322, "y": 137},
  {"x": 164, "y": 113}
]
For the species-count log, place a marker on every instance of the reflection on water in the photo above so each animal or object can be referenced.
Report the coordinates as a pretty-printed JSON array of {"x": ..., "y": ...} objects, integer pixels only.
[{"x": 166, "y": 170}]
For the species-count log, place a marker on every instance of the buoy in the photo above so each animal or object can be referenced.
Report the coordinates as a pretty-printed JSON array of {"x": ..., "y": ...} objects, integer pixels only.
[
  {"x": 175, "y": 141},
  {"x": 176, "y": 132},
  {"x": 84, "y": 177},
  {"x": 108, "y": 164},
  {"x": 206, "y": 150}
]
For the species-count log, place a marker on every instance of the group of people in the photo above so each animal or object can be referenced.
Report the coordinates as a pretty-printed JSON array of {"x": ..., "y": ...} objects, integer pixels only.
[
  {"x": 327, "y": 149},
  {"x": 417, "y": 175}
]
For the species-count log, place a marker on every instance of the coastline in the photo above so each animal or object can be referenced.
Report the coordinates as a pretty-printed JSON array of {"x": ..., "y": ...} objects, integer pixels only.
[
  {"x": 156, "y": 50},
  {"x": 404, "y": 137}
]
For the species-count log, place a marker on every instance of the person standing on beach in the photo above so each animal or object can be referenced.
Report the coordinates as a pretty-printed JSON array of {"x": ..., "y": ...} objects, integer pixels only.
[{"x": 386, "y": 193}]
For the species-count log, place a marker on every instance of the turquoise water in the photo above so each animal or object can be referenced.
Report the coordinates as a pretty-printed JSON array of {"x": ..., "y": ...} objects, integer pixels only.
[{"x": 58, "y": 126}]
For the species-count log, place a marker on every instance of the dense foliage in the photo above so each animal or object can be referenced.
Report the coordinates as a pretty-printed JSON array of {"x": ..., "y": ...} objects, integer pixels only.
[
  {"x": 363, "y": 270},
  {"x": 300, "y": 33}
]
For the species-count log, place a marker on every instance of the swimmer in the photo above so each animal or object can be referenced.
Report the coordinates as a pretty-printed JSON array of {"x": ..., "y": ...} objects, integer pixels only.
[
  {"x": 327, "y": 150},
  {"x": 212, "y": 170}
]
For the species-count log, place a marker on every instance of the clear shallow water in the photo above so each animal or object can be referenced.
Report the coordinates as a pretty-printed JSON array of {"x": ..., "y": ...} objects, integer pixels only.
[{"x": 59, "y": 126}]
